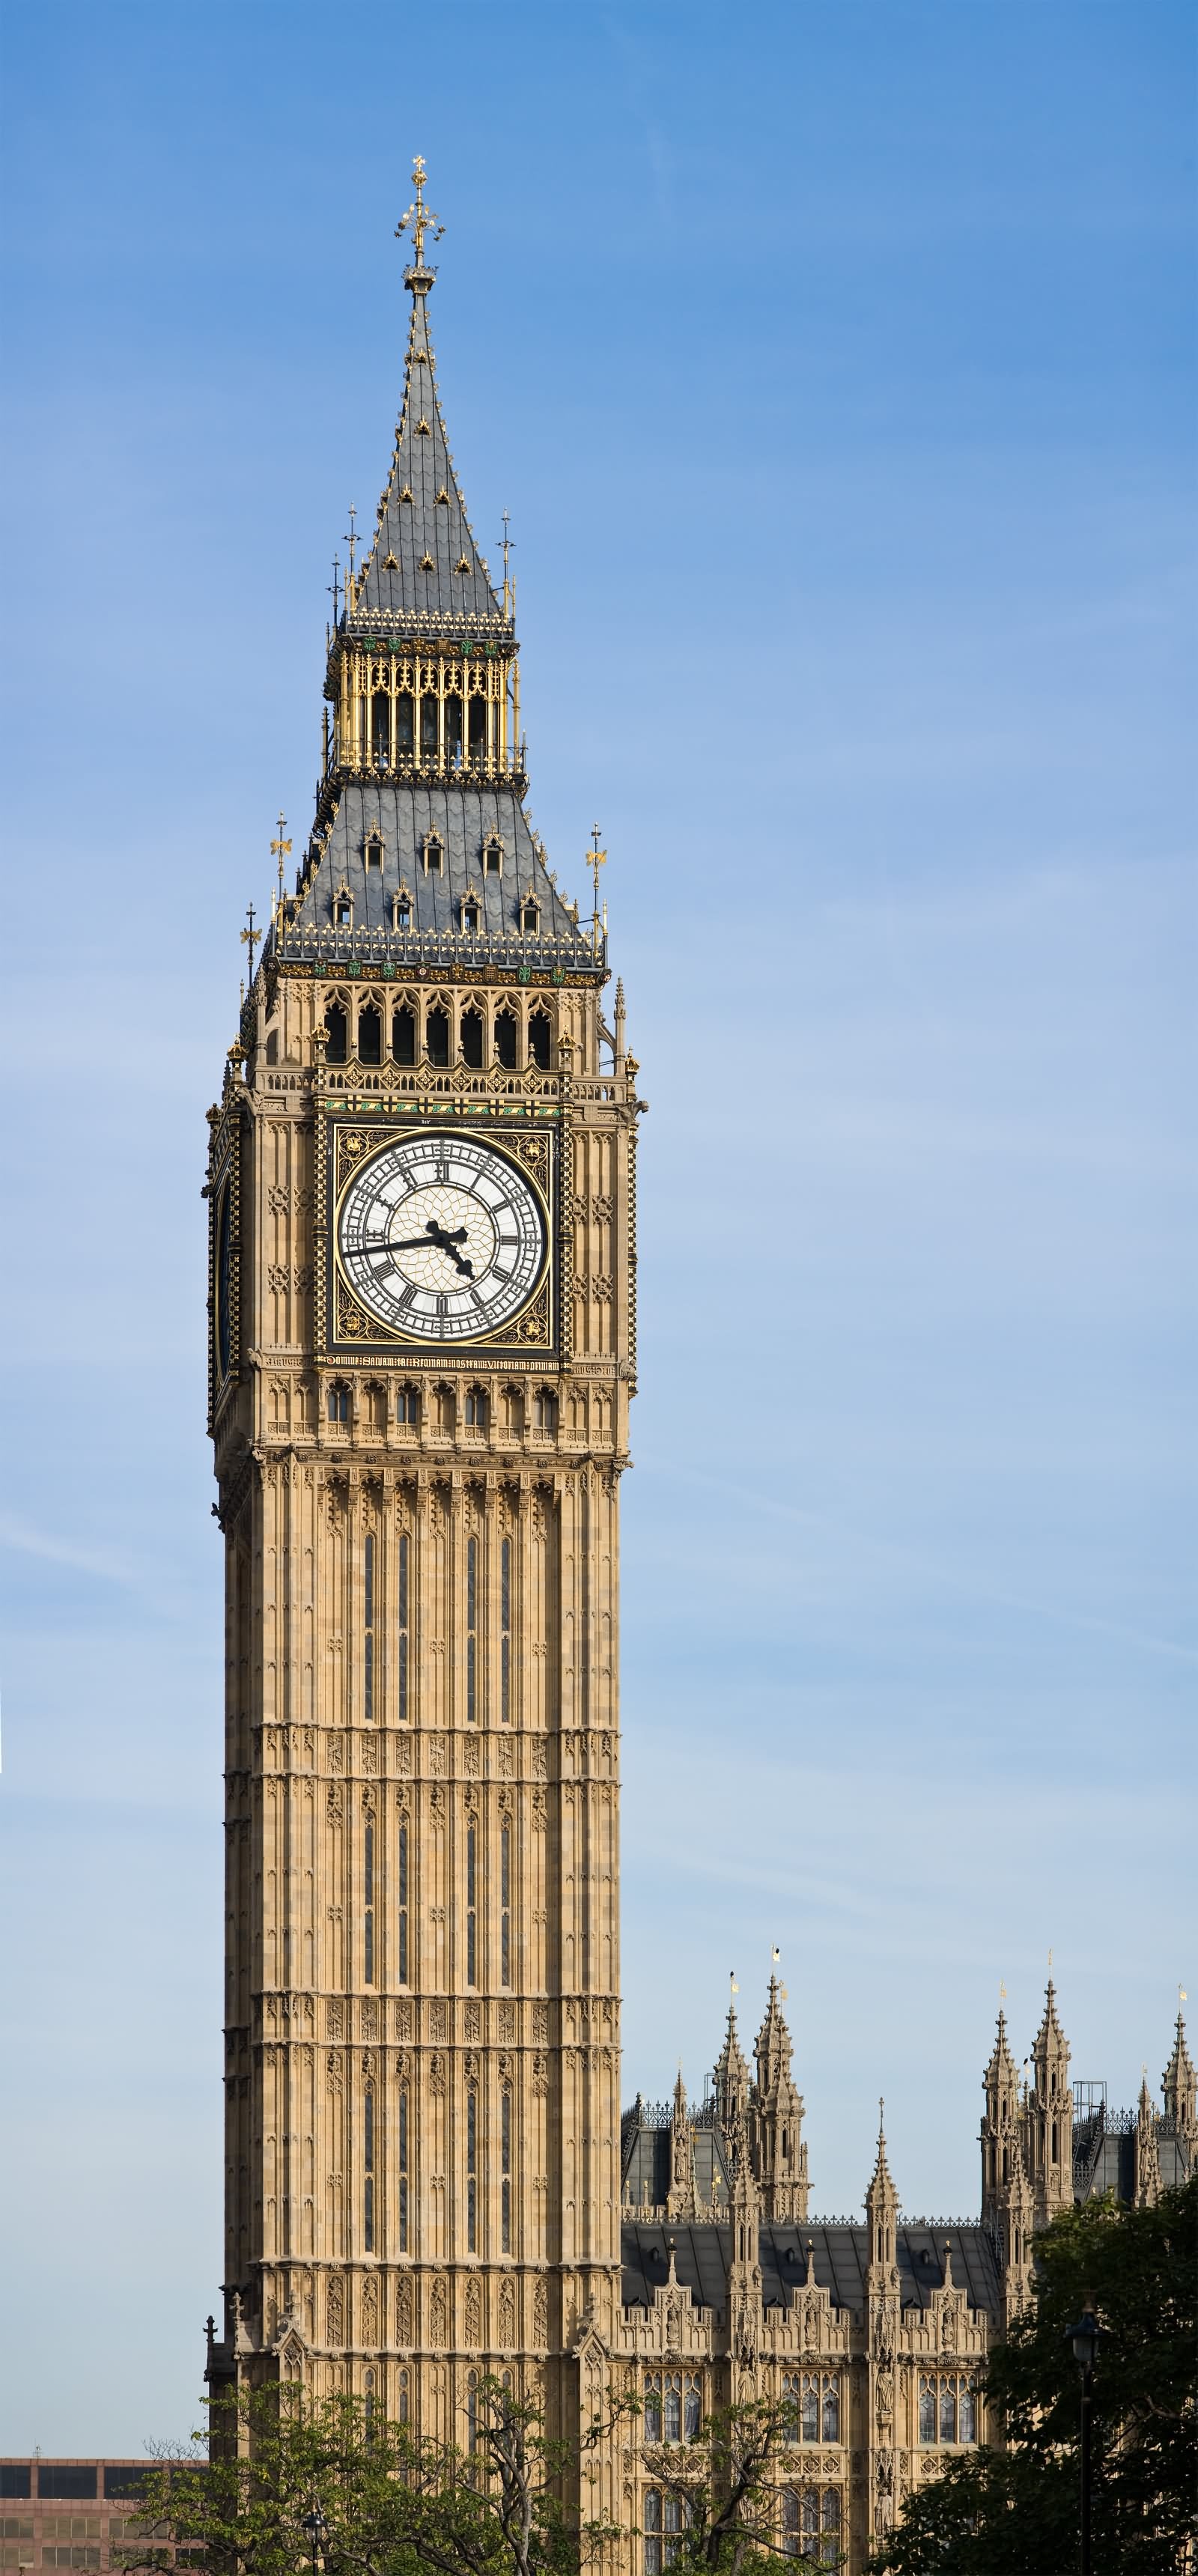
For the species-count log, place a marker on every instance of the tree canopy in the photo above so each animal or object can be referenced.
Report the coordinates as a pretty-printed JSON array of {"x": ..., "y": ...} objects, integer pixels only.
[{"x": 1015, "y": 2512}]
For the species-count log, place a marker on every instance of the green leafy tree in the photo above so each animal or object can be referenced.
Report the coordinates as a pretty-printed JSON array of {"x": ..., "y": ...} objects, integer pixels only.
[
  {"x": 294, "y": 2482},
  {"x": 723, "y": 2486},
  {"x": 1015, "y": 2512}
]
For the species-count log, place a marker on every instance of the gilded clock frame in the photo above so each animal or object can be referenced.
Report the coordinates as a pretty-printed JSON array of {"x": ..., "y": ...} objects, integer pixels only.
[{"x": 344, "y": 1332}]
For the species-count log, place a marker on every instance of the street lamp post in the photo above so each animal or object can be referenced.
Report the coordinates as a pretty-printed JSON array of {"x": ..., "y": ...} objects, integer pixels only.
[
  {"x": 318, "y": 2531},
  {"x": 1084, "y": 2338}
]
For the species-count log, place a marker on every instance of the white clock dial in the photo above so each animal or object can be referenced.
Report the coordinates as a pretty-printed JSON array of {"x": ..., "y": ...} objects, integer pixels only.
[{"x": 441, "y": 1238}]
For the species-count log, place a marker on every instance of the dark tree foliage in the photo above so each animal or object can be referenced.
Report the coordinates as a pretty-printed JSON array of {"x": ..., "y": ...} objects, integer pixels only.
[
  {"x": 1015, "y": 2512},
  {"x": 724, "y": 2484},
  {"x": 389, "y": 2502}
]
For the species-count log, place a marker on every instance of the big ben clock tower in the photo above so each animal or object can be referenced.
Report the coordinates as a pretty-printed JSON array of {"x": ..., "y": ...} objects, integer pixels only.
[{"x": 422, "y": 1344}]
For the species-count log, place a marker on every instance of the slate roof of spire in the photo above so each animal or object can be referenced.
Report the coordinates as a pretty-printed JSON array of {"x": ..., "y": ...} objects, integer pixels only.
[{"x": 413, "y": 574}]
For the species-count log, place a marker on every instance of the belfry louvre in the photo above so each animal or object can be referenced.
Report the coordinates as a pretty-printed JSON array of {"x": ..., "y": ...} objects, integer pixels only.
[{"x": 421, "y": 1184}]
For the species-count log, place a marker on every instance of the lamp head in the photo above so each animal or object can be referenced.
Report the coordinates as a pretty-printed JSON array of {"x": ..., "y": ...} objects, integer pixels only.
[{"x": 1084, "y": 2338}]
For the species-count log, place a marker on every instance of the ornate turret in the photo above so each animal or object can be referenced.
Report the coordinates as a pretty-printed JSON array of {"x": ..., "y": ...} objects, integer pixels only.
[
  {"x": 881, "y": 2220},
  {"x": 882, "y": 2326},
  {"x": 776, "y": 2120},
  {"x": 681, "y": 2200},
  {"x": 731, "y": 2079},
  {"x": 1049, "y": 2126},
  {"x": 1179, "y": 2088},
  {"x": 1001, "y": 2131},
  {"x": 744, "y": 2270},
  {"x": 1148, "y": 2163}
]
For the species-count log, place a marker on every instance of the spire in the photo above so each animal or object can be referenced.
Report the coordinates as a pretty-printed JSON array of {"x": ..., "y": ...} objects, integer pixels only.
[
  {"x": 1179, "y": 2086},
  {"x": 422, "y": 567},
  {"x": 1049, "y": 2125},
  {"x": 682, "y": 2169},
  {"x": 1148, "y": 2163},
  {"x": 881, "y": 2210},
  {"x": 731, "y": 2076},
  {"x": 776, "y": 2120},
  {"x": 1001, "y": 2132}
]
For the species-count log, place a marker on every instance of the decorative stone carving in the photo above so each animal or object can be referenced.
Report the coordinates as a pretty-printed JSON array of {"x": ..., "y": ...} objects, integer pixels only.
[{"x": 335, "y": 2312}]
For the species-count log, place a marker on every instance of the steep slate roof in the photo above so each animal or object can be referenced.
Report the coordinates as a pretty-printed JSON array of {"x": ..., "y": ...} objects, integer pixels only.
[
  {"x": 411, "y": 533},
  {"x": 702, "y": 2255},
  {"x": 462, "y": 819}
]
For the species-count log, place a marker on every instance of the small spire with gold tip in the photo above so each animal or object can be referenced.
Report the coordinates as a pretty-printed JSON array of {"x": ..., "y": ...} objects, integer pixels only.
[{"x": 420, "y": 220}]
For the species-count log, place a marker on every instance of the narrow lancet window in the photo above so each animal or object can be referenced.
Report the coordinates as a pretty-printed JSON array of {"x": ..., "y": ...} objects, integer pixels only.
[
  {"x": 368, "y": 1906},
  {"x": 472, "y": 2172},
  {"x": 471, "y": 1904},
  {"x": 403, "y": 1030},
  {"x": 505, "y": 1633},
  {"x": 471, "y": 1632},
  {"x": 401, "y": 2154},
  {"x": 368, "y": 2170},
  {"x": 370, "y": 1036},
  {"x": 402, "y": 1628},
  {"x": 505, "y": 1906},
  {"x": 505, "y": 2165},
  {"x": 539, "y": 1040},
  {"x": 368, "y": 1633},
  {"x": 436, "y": 1030},
  {"x": 401, "y": 1929}
]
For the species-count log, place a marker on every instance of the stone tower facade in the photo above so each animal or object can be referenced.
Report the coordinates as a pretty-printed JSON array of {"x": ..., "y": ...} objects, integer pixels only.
[{"x": 422, "y": 1348}]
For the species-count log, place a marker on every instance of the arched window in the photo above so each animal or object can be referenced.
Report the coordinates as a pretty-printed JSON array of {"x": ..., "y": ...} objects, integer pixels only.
[
  {"x": 539, "y": 1038},
  {"x": 407, "y": 1407},
  {"x": 336, "y": 1027},
  {"x": 404, "y": 737},
  {"x": 368, "y": 1631},
  {"x": 927, "y": 2410},
  {"x": 343, "y": 909},
  {"x": 493, "y": 856},
  {"x": 436, "y": 1035},
  {"x": 447, "y": 1409},
  {"x": 401, "y": 1928},
  {"x": 809, "y": 2517},
  {"x": 967, "y": 2427},
  {"x": 790, "y": 2523},
  {"x": 472, "y": 2172},
  {"x": 530, "y": 916},
  {"x": 505, "y": 1039},
  {"x": 403, "y": 1036},
  {"x": 453, "y": 731},
  {"x": 403, "y": 1630},
  {"x": 405, "y": 2398},
  {"x": 505, "y": 2169},
  {"x": 831, "y": 2410},
  {"x": 544, "y": 1409},
  {"x": 428, "y": 735},
  {"x": 469, "y": 915},
  {"x": 368, "y": 2408},
  {"x": 472, "y": 1035},
  {"x": 433, "y": 853},
  {"x": 370, "y": 1035},
  {"x": 401, "y": 910},
  {"x": 673, "y": 2520},
  {"x": 505, "y": 1636},
  {"x": 471, "y": 1633},
  {"x": 472, "y": 2412},
  {"x": 476, "y": 1408},
  {"x": 374, "y": 851},
  {"x": 505, "y": 1906},
  {"x": 672, "y": 2406},
  {"x": 692, "y": 2410},
  {"x": 471, "y": 1905},
  {"x": 809, "y": 2413},
  {"x": 651, "y": 2413},
  {"x": 380, "y": 731},
  {"x": 948, "y": 2410},
  {"x": 401, "y": 2158},
  {"x": 790, "y": 2401},
  {"x": 478, "y": 730},
  {"x": 651, "y": 2526},
  {"x": 830, "y": 2528},
  {"x": 339, "y": 1403}
]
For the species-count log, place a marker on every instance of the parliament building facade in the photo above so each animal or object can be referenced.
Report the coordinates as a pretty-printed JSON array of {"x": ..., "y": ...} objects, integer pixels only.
[{"x": 422, "y": 1191}]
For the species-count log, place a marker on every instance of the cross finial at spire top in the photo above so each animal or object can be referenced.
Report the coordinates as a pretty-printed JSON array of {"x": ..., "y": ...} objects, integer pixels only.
[{"x": 421, "y": 220}]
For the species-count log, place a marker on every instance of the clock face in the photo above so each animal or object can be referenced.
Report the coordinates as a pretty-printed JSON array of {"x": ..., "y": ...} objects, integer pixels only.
[{"x": 441, "y": 1238}]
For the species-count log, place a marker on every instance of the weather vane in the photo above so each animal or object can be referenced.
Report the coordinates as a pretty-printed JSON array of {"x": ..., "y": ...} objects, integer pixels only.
[
  {"x": 352, "y": 539},
  {"x": 250, "y": 938},
  {"x": 419, "y": 216},
  {"x": 598, "y": 859}
]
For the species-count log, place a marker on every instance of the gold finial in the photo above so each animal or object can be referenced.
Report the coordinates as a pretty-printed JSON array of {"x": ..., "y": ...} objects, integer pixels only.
[
  {"x": 598, "y": 859},
  {"x": 420, "y": 217},
  {"x": 280, "y": 850}
]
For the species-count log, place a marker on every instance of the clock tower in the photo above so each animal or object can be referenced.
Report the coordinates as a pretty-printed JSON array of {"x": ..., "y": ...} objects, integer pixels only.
[{"x": 422, "y": 1350}]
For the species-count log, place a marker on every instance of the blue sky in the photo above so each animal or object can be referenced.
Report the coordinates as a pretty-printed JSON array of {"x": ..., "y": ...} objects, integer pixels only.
[{"x": 837, "y": 366}]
